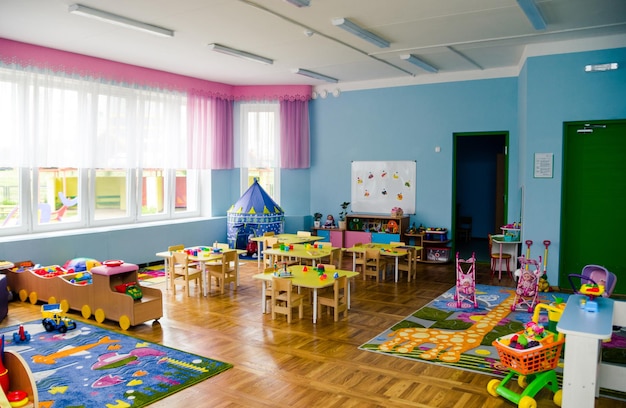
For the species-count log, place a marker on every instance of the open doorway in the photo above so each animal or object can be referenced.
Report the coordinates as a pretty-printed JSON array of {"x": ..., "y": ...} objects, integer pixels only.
[{"x": 479, "y": 190}]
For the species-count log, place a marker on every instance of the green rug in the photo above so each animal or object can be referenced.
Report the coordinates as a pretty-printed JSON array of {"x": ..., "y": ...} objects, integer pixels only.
[
  {"x": 94, "y": 367},
  {"x": 432, "y": 333}
]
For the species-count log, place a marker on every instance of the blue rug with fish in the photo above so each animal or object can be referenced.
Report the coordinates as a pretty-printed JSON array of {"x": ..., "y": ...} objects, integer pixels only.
[{"x": 93, "y": 367}]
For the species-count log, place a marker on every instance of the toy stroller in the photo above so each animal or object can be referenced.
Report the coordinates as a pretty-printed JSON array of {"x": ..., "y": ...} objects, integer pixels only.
[
  {"x": 527, "y": 284},
  {"x": 596, "y": 275},
  {"x": 465, "y": 281}
]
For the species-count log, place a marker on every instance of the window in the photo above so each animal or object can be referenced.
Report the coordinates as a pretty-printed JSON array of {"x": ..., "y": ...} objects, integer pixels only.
[
  {"x": 111, "y": 194},
  {"x": 10, "y": 215},
  {"x": 185, "y": 191},
  {"x": 58, "y": 195},
  {"x": 259, "y": 128},
  {"x": 101, "y": 152}
]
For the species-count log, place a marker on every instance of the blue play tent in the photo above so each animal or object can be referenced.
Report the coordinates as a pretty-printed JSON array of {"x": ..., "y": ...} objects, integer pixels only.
[{"x": 255, "y": 213}]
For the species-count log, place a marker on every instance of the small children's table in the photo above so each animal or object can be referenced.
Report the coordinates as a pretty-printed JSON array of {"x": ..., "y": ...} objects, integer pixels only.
[{"x": 583, "y": 349}]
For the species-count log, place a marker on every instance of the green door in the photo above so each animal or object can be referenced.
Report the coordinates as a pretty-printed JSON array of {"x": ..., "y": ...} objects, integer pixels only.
[{"x": 593, "y": 216}]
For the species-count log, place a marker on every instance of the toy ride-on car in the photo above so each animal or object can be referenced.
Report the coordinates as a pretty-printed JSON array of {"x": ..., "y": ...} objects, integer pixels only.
[{"x": 54, "y": 318}]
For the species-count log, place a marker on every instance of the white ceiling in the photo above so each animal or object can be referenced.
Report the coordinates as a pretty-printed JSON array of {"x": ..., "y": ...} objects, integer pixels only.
[{"x": 456, "y": 36}]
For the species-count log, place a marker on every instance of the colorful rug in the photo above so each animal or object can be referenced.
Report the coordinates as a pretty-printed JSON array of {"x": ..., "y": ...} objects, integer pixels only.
[
  {"x": 94, "y": 367},
  {"x": 152, "y": 275},
  {"x": 441, "y": 333}
]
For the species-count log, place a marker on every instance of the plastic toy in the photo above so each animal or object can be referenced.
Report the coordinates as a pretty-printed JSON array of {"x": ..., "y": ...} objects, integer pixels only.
[
  {"x": 17, "y": 398},
  {"x": 554, "y": 309},
  {"x": 80, "y": 264},
  {"x": 546, "y": 243},
  {"x": 533, "y": 358},
  {"x": 21, "y": 336},
  {"x": 544, "y": 285},
  {"x": 527, "y": 284},
  {"x": 595, "y": 275},
  {"x": 465, "y": 281},
  {"x": 54, "y": 318}
]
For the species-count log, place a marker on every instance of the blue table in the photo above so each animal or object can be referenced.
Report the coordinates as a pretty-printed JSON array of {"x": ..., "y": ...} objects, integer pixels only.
[{"x": 583, "y": 343}]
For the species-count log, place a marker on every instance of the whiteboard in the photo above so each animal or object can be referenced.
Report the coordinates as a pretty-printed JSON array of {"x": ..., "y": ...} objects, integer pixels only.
[{"x": 378, "y": 186}]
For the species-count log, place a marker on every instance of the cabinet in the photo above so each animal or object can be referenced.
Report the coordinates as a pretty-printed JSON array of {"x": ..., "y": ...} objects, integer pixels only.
[
  {"x": 435, "y": 246},
  {"x": 332, "y": 235},
  {"x": 381, "y": 229}
]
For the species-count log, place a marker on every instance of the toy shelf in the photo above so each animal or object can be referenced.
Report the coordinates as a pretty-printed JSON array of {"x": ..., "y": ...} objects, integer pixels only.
[
  {"x": 435, "y": 246},
  {"x": 376, "y": 228}
]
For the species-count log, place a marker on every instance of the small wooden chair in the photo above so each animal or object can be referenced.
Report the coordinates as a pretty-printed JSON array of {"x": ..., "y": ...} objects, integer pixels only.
[
  {"x": 495, "y": 259},
  {"x": 337, "y": 299},
  {"x": 223, "y": 247},
  {"x": 269, "y": 242},
  {"x": 335, "y": 258},
  {"x": 284, "y": 299},
  {"x": 375, "y": 264},
  {"x": 408, "y": 264},
  {"x": 169, "y": 277},
  {"x": 181, "y": 268},
  {"x": 268, "y": 290},
  {"x": 359, "y": 258},
  {"x": 464, "y": 228},
  {"x": 226, "y": 272}
]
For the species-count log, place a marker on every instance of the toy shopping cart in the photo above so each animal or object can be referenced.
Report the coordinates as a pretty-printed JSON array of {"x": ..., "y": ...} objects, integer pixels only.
[{"x": 534, "y": 368}]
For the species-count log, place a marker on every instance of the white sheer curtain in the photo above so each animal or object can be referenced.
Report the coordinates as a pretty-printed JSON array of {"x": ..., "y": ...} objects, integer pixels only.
[
  {"x": 54, "y": 119},
  {"x": 260, "y": 134}
]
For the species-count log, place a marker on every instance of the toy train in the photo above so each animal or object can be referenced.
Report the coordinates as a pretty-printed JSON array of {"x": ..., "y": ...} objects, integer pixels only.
[{"x": 105, "y": 295}]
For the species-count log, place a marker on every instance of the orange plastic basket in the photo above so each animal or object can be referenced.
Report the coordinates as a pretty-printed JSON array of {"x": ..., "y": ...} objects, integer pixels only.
[{"x": 534, "y": 360}]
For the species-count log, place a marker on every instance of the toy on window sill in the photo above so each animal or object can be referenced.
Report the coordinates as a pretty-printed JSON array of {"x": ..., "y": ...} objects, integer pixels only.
[{"x": 330, "y": 221}]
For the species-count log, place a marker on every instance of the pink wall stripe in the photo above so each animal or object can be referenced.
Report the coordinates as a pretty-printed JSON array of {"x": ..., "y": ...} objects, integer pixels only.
[{"x": 28, "y": 54}]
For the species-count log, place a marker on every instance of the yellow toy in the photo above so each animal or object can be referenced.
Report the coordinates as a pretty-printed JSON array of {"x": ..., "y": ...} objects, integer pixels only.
[{"x": 544, "y": 285}]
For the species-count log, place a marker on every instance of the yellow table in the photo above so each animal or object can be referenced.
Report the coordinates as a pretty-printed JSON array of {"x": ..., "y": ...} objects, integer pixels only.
[
  {"x": 283, "y": 239},
  {"x": 309, "y": 279},
  {"x": 302, "y": 251},
  {"x": 202, "y": 258},
  {"x": 385, "y": 249}
]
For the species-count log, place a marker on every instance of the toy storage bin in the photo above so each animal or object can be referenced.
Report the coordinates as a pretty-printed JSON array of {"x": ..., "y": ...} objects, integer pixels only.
[
  {"x": 511, "y": 234},
  {"x": 438, "y": 254}
]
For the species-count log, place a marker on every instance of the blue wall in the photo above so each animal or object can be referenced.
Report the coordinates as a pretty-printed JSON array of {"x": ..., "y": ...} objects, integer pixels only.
[
  {"x": 406, "y": 123},
  {"x": 401, "y": 123},
  {"x": 556, "y": 90}
]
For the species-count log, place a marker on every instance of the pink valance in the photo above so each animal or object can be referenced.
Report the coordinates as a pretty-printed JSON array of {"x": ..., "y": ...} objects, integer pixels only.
[{"x": 14, "y": 52}]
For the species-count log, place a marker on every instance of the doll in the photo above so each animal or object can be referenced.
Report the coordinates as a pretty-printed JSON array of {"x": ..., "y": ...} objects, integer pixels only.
[
  {"x": 527, "y": 286},
  {"x": 330, "y": 221}
]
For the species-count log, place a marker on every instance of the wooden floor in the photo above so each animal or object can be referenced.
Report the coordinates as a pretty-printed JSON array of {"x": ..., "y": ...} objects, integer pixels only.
[{"x": 305, "y": 364}]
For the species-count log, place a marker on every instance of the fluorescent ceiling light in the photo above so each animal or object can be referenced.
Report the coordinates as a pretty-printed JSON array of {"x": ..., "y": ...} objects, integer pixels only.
[
  {"x": 314, "y": 75},
  {"x": 350, "y": 27},
  {"x": 418, "y": 62},
  {"x": 529, "y": 7},
  {"x": 601, "y": 67},
  {"x": 84, "y": 11},
  {"x": 241, "y": 54},
  {"x": 299, "y": 3}
]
